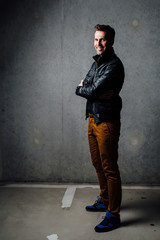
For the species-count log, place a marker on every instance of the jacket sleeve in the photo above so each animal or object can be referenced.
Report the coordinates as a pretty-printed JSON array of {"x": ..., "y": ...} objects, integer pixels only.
[
  {"x": 100, "y": 83},
  {"x": 90, "y": 75}
]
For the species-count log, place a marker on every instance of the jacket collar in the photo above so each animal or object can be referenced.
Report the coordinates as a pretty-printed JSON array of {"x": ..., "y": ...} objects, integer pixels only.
[{"x": 105, "y": 56}]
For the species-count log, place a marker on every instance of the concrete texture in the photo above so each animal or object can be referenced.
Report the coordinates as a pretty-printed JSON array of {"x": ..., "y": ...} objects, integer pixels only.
[
  {"x": 46, "y": 48},
  {"x": 35, "y": 213}
]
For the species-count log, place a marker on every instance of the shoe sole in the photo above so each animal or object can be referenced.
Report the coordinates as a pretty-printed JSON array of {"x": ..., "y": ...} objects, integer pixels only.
[
  {"x": 107, "y": 229},
  {"x": 96, "y": 210}
]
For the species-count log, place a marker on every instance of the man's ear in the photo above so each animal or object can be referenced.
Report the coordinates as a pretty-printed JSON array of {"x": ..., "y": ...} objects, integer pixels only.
[{"x": 111, "y": 43}]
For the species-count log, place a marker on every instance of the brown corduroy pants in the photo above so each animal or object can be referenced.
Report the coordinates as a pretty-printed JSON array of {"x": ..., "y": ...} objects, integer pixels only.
[{"x": 103, "y": 142}]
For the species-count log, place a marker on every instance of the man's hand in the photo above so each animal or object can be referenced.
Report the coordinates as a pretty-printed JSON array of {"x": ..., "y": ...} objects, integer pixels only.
[
  {"x": 107, "y": 95},
  {"x": 81, "y": 83}
]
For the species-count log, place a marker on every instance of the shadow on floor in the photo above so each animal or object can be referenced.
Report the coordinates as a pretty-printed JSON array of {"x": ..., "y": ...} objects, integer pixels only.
[{"x": 141, "y": 207}]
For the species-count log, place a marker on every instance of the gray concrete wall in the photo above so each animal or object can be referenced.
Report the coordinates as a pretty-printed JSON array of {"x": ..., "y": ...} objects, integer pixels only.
[{"x": 46, "y": 49}]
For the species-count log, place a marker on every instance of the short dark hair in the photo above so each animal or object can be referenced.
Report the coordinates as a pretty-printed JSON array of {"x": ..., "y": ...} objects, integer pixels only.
[{"x": 110, "y": 32}]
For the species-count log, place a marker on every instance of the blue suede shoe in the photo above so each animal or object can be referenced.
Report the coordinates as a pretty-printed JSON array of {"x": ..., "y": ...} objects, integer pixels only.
[
  {"x": 98, "y": 206},
  {"x": 109, "y": 223}
]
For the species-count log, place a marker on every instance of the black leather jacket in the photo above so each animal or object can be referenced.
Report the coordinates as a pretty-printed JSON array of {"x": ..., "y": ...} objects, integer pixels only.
[{"x": 106, "y": 73}]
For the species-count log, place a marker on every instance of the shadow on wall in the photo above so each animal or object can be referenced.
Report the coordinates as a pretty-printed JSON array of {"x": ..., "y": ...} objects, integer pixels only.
[{"x": 42, "y": 126}]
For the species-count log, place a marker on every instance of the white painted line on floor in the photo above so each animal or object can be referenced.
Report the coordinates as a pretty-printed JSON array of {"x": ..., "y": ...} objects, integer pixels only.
[
  {"x": 140, "y": 187},
  {"x": 68, "y": 197},
  {"x": 53, "y": 237},
  {"x": 30, "y": 185},
  {"x": 87, "y": 186}
]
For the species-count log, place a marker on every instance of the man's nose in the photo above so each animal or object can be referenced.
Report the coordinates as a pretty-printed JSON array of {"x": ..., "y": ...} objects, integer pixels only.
[{"x": 99, "y": 43}]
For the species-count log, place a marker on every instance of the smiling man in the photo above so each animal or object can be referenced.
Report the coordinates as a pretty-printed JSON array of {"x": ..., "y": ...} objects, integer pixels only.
[{"x": 101, "y": 88}]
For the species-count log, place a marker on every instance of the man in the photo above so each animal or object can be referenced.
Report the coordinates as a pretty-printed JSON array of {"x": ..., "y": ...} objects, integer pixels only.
[{"x": 101, "y": 88}]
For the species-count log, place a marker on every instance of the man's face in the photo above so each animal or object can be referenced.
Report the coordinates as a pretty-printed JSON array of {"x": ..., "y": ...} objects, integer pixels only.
[{"x": 100, "y": 42}]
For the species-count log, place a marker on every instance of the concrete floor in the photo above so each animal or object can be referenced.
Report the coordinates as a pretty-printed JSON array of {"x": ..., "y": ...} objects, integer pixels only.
[{"x": 33, "y": 213}]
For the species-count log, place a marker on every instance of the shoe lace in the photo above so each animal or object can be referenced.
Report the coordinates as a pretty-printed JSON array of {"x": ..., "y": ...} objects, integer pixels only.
[
  {"x": 96, "y": 202},
  {"x": 105, "y": 220}
]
